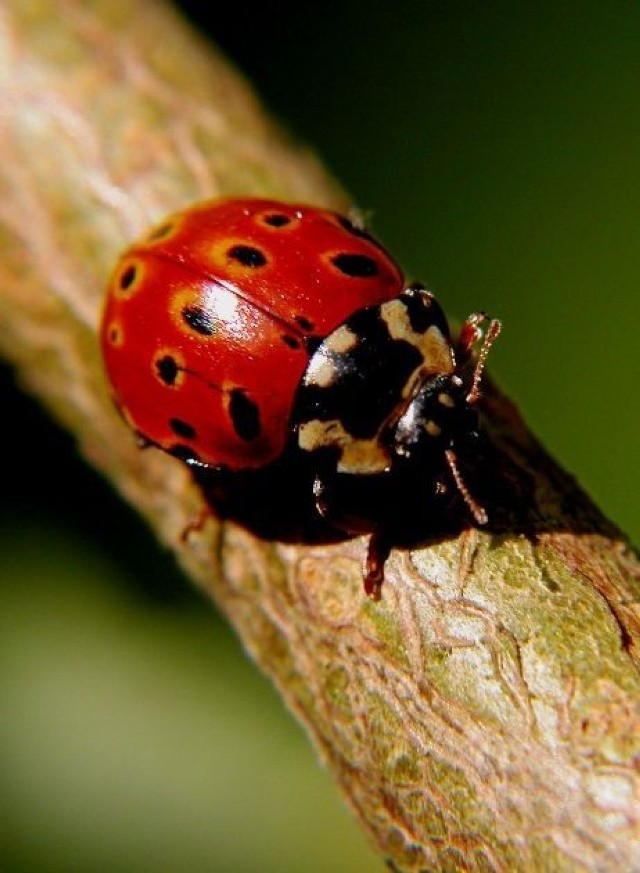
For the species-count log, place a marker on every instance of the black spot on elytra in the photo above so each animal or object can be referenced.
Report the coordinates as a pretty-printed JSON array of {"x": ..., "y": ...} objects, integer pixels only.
[
  {"x": 276, "y": 219},
  {"x": 248, "y": 256},
  {"x": 291, "y": 341},
  {"x": 183, "y": 453},
  {"x": 199, "y": 320},
  {"x": 245, "y": 415},
  {"x": 182, "y": 428},
  {"x": 128, "y": 277},
  {"x": 304, "y": 323},
  {"x": 356, "y": 266},
  {"x": 167, "y": 369}
]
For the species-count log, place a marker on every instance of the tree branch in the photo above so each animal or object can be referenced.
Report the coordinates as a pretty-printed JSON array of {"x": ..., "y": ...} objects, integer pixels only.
[{"x": 484, "y": 714}]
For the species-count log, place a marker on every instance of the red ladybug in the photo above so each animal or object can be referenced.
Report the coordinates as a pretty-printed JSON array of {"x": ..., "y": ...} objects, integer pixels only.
[{"x": 242, "y": 330}]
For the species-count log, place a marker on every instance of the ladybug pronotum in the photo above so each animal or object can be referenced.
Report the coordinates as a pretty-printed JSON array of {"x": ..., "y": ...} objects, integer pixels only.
[{"x": 241, "y": 331}]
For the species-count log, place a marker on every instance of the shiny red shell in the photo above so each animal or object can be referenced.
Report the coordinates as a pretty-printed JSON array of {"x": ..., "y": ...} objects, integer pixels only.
[{"x": 211, "y": 318}]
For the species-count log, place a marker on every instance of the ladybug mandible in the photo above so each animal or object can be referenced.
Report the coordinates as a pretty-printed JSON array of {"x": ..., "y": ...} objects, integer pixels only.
[{"x": 242, "y": 330}]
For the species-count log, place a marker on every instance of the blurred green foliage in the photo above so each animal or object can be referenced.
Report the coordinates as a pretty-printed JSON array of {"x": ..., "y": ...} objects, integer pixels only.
[
  {"x": 496, "y": 147},
  {"x": 136, "y": 737}
]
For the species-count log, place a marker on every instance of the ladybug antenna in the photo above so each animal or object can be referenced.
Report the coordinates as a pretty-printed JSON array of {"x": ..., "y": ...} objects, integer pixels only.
[
  {"x": 491, "y": 335},
  {"x": 477, "y": 511}
]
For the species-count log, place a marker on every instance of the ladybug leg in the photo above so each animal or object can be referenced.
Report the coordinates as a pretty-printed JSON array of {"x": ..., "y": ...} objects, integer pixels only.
[
  {"x": 378, "y": 549},
  {"x": 209, "y": 479},
  {"x": 196, "y": 524},
  {"x": 212, "y": 481},
  {"x": 377, "y": 554}
]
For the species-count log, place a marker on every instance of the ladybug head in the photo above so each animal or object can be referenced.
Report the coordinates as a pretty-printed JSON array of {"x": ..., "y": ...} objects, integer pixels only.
[
  {"x": 442, "y": 418},
  {"x": 438, "y": 417}
]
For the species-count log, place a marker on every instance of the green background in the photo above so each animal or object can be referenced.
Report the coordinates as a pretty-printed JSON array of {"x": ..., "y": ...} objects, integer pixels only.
[{"x": 495, "y": 146}]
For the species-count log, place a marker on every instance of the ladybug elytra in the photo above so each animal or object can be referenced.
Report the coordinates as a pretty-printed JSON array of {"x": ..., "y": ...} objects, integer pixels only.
[{"x": 242, "y": 331}]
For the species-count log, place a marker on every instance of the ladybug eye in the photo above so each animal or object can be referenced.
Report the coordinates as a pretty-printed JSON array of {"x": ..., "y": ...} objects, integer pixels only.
[
  {"x": 248, "y": 256},
  {"x": 357, "y": 266}
]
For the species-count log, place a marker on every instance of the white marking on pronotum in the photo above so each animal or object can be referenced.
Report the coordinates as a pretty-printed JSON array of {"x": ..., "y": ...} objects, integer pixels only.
[
  {"x": 432, "y": 428},
  {"x": 357, "y": 455},
  {"x": 322, "y": 370},
  {"x": 446, "y": 400},
  {"x": 434, "y": 348},
  {"x": 341, "y": 341}
]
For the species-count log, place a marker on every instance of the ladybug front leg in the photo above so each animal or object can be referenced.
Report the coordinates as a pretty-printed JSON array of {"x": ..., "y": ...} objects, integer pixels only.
[
  {"x": 378, "y": 549},
  {"x": 209, "y": 479},
  {"x": 196, "y": 523}
]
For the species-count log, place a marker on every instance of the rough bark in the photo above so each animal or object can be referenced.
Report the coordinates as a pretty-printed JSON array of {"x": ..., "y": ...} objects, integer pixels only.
[{"x": 484, "y": 714}]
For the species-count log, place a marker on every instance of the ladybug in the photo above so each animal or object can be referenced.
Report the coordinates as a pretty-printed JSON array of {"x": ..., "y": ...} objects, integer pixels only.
[{"x": 242, "y": 331}]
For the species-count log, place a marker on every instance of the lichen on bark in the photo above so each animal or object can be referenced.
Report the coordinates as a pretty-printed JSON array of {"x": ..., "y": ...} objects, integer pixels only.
[{"x": 483, "y": 715}]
